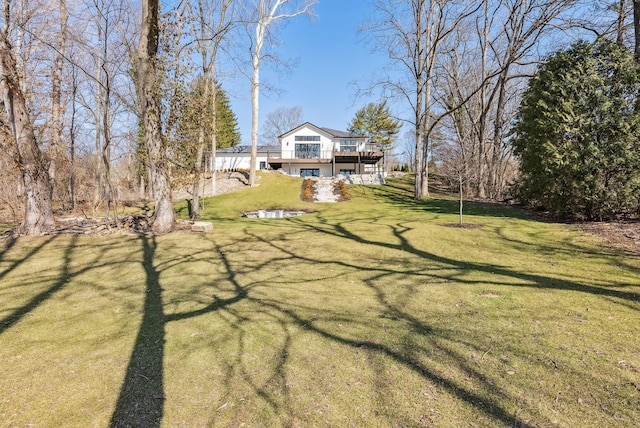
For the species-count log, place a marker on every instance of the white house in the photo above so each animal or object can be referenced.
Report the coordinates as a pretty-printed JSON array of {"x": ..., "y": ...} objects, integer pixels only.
[
  {"x": 309, "y": 150},
  {"x": 239, "y": 157}
]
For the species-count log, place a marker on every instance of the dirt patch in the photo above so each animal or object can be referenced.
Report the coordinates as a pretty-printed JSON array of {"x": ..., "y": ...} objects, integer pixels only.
[{"x": 623, "y": 235}]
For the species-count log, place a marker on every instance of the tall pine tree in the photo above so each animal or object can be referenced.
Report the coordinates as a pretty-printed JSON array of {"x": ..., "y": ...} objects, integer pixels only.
[{"x": 376, "y": 122}]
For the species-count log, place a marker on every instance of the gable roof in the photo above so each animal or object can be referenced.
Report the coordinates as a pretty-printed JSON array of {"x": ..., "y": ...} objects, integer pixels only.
[
  {"x": 342, "y": 134},
  {"x": 327, "y": 132}
]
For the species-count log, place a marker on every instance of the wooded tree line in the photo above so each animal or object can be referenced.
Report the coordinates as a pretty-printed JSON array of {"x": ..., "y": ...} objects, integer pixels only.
[
  {"x": 101, "y": 98},
  {"x": 109, "y": 99},
  {"x": 462, "y": 67}
]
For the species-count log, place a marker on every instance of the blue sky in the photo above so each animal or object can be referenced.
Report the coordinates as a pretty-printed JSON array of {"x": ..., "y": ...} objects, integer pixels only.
[{"x": 329, "y": 56}]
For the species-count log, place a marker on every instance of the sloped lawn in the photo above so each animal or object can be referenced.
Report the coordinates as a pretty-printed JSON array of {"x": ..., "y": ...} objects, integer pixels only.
[{"x": 364, "y": 313}]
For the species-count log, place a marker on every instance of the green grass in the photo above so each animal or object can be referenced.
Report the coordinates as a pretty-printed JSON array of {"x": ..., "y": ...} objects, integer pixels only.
[{"x": 363, "y": 313}]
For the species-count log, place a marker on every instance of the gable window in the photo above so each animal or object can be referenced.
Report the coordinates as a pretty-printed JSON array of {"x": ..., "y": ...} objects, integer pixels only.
[
  {"x": 307, "y": 138},
  {"x": 307, "y": 151}
]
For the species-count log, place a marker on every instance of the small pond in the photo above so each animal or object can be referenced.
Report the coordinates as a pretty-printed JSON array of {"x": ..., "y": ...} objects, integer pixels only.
[{"x": 272, "y": 213}]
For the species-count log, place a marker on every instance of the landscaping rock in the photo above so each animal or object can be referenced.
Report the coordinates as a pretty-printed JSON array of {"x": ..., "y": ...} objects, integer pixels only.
[{"x": 202, "y": 226}]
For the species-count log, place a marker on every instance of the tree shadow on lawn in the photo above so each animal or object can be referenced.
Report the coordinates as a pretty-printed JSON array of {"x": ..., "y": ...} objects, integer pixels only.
[
  {"x": 407, "y": 356},
  {"x": 141, "y": 399},
  {"x": 402, "y": 197},
  {"x": 66, "y": 274},
  {"x": 19, "y": 313},
  {"x": 459, "y": 268},
  {"x": 531, "y": 280}
]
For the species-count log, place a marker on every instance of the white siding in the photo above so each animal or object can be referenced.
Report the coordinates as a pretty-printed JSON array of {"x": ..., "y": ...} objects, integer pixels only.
[
  {"x": 289, "y": 143},
  {"x": 235, "y": 161}
]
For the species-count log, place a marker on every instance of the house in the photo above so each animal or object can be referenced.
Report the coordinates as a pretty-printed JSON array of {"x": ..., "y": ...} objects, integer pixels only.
[
  {"x": 309, "y": 150},
  {"x": 239, "y": 157}
]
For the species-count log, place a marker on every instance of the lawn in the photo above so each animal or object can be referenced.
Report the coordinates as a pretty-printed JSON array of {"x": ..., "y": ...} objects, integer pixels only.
[{"x": 364, "y": 313}]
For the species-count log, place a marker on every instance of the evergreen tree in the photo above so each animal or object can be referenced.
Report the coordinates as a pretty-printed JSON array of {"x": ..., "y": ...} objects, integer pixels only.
[
  {"x": 194, "y": 113},
  {"x": 578, "y": 133},
  {"x": 376, "y": 122}
]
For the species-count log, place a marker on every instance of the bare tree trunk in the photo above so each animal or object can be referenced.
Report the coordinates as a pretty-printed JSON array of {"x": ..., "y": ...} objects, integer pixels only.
[
  {"x": 97, "y": 116},
  {"x": 209, "y": 45},
  {"x": 636, "y": 28},
  {"x": 72, "y": 140},
  {"x": 267, "y": 12},
  {"x": 149, "y": 105},
  {"x": 214, "y": 137},
  {"x": 620, "y": 26},
  {"x": 56, "y": 91},
  {"x": 195, "y": 205},
  {"x": 33, "y": 164},
  {"x": 255, "y": 98}
]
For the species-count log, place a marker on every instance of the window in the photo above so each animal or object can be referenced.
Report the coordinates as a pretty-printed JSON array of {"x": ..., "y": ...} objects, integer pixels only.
[
  {"x": 309, "y": 172},
  {"x": 307, "y": 138},
  {"x": 347, "y": 171},
  {"x": 263, "y": 165},
  {"x": 307, "y": 151},
  {"x": 348, "y": 146}
]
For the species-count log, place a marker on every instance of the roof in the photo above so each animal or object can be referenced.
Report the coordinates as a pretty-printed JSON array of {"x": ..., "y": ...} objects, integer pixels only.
[
  {"x": 247, "y": 149},
  {"x": 342, "y": 134},
  {"x": 331, "y": 133}
]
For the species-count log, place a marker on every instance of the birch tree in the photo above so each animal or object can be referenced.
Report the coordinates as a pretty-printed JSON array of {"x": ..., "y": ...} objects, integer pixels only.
[{"x": 263, "y": 18}]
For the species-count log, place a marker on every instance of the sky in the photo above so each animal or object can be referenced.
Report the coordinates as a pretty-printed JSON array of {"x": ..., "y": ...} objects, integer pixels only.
[{"x": 329, "y": 57}]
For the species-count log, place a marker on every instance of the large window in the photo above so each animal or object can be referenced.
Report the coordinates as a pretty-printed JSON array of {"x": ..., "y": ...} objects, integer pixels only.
[
  {"x": 307, "y": 151},
  {"x": 348, "y": 146},
  {"x": 307, "y": 138},
  {"x": 309, "y": 172}
]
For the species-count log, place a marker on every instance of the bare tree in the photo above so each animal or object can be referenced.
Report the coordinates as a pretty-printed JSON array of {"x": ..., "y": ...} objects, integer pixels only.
[
  {"x": 56, "y": 88},
  {"x": 214, "y": 24},
  {"x": 145, "y": 64},
  {"x": 413, "y": 34},
  {"x": 636, "y": 28},
  {"x": 620, "y": 24},
  {"x": 33, "y": 164},
  {"x": 483, "y": 75},
  {"x": 279, "y": 121},
  {"x": 262, "y": 18}
]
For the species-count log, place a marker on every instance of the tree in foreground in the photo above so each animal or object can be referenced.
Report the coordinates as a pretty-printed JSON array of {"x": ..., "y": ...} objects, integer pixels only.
[
  {"x": 146, "y": 73},
  {"x": 578, "y": 133},
  {"x": 32, "y": 163}
]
